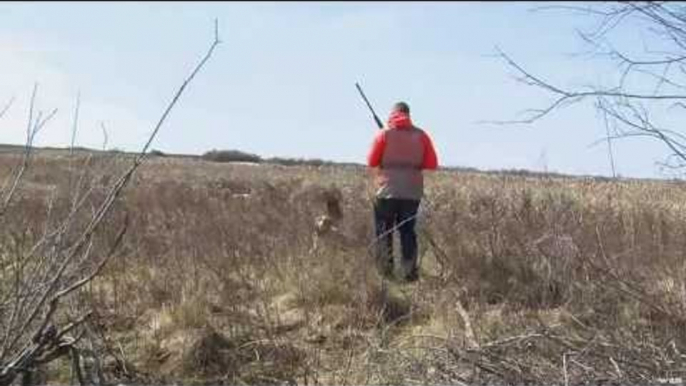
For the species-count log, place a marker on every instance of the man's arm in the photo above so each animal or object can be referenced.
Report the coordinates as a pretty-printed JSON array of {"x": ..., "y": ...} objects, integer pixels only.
[
  {"x": 430, "y": 160},
  {"x": 376, "y": 152}
]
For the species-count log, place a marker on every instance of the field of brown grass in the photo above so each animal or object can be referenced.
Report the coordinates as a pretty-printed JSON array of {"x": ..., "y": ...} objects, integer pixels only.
[{"x": 222, "y": 276}]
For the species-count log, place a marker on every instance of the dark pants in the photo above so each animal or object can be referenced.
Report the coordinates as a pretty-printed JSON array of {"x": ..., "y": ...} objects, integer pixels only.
[{"x": 391, "y": 213}]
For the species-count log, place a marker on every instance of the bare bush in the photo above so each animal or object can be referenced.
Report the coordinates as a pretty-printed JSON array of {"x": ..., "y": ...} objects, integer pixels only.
[
  {"x": 644, "y": 98},
  {"x": 47, "y": 261},
  {"x": 230, "y": 156}
]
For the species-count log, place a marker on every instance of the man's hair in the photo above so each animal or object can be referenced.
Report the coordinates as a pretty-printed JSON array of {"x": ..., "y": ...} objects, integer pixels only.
[{"x": 402, "y": 107}]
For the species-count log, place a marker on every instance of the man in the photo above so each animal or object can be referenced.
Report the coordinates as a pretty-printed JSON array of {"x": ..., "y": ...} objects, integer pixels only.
[{"x": 400, "y": 152}]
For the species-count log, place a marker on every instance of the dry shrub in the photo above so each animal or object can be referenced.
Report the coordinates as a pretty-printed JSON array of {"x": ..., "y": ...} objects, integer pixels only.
[
  {"x": 230, "y": 156},
  {"x": 511, "y": 247},
  {"x": 214, "y": 356},
  {"x": 220, "y": 246}
]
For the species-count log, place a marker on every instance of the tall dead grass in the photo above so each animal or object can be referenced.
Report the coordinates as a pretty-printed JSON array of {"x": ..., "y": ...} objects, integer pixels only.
[{"x": 523, "y": 279}]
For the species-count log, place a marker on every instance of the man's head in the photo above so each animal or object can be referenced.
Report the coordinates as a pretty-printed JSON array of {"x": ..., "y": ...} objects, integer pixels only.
[
  {"x": 400, "y": 116},
  {"x": 402, "y": 107}
]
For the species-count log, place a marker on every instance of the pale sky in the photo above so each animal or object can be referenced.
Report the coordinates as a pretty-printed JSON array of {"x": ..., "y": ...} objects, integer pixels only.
[{"x": 282, "y": 81}]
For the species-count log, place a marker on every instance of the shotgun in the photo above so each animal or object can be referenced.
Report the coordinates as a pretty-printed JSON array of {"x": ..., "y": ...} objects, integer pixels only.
[{"x": 376, "y": 117}]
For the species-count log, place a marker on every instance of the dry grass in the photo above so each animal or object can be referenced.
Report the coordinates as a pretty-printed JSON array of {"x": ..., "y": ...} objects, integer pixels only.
[{"x": 523, "y": 278}]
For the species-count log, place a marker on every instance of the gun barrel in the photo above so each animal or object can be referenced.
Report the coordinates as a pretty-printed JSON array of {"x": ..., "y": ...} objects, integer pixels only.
[{"x": 376, "y": 117}]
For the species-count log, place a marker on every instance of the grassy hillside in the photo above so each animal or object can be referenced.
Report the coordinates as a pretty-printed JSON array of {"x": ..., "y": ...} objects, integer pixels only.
[{"x": 224, "y": 277}]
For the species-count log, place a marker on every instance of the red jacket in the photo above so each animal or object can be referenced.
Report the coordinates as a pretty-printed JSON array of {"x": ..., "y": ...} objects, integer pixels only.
[
  {"x": 400, "y": 121},
  {"x": 401, "y": 151}
]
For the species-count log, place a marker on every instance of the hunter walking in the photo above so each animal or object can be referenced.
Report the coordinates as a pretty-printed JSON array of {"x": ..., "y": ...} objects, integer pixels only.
[{"x": 400, "y": 151}]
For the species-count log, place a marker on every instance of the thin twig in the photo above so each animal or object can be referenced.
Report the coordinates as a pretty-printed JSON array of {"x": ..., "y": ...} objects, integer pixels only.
[{"x": 6, "y": 107}]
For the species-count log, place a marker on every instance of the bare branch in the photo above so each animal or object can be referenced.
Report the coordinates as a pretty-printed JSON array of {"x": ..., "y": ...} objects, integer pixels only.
[
  {"x": 63, "y": 266},
  {"x": 668, "y": 60},
  {"x": 535, "y": 81},
  {"x": 75, "y": 124},
  {"x": 39, "y": 124},
  {"x": 6, "y": 107},
  {"x": 579, "y": 9},
  {"x": 104, "y": 135},
  {"x": 207, "y": 56},
  {"x": 71, "y": 326},
  {"x": 644, "y": 125},
  {"x": 668, "y": 22},
  {"x": 19, "y": 170},
  {"x": 99, "y": 267},
  {"x": 609, "y": 144}
]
